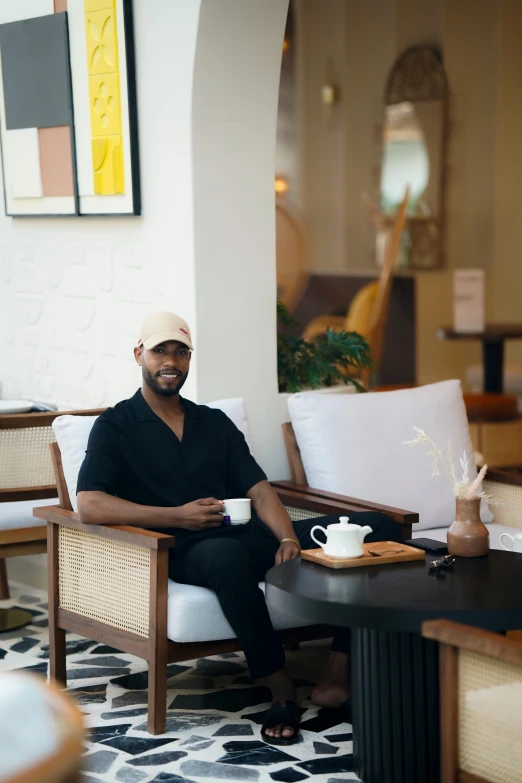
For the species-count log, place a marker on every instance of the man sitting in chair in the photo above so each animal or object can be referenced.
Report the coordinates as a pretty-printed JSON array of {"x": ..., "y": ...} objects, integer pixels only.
[{"x": 159, "y": 461}]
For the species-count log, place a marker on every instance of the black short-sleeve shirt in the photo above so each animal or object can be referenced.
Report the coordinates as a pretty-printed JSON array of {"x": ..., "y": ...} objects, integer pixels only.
[{"x": 134, "y": 455}]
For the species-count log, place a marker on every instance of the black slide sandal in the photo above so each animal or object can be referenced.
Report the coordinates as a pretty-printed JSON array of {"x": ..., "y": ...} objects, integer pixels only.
[{"x": 288, "y": 715}]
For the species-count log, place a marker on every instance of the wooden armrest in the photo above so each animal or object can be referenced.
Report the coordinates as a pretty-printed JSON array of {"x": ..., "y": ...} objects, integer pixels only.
[
  {"x": 27, "y": 493},
  {"x": 16, "y": 421},
  {"x": 340, "y": 502},
  {"x": 466, "y": 637},
  {"x": 504, "y": 477},
  {"x": 18, "y": 535},
  {"x": 132, "y": 535}
]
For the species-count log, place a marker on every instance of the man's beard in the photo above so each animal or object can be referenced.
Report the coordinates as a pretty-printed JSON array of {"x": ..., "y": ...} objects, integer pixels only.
[{"x": 154, "y": 385}]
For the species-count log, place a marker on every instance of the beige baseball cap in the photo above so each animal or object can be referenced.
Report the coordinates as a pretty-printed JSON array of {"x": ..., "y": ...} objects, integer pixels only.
[{"x": 160, "y": 327}]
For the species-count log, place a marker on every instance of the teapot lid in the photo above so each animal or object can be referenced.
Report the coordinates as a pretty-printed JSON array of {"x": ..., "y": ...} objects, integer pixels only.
[{"x": 344, "y": 524}]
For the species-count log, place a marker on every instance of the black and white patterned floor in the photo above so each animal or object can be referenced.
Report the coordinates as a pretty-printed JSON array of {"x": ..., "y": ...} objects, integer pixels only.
[{"x": 214, "y": 714}]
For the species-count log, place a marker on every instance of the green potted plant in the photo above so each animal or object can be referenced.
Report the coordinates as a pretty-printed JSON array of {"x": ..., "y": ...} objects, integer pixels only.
[{"x": 330, "y": 360}]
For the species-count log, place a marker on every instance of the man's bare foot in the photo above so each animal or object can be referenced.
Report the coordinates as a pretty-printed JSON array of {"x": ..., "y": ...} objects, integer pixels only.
[
  {"x": 334, "y": 688},
  {"x": 283, "y": 690}
]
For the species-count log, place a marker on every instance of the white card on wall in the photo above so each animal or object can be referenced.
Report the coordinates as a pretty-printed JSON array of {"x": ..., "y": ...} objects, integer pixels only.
[{"x": 468, "y": 300}]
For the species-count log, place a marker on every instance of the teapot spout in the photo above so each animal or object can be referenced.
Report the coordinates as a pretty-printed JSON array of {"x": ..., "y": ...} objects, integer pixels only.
[{"x": 363, "y": 532}]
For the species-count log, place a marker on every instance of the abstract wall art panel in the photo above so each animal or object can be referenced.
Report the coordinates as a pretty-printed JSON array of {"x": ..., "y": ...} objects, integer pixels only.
[{"x": 68, "y": 118}]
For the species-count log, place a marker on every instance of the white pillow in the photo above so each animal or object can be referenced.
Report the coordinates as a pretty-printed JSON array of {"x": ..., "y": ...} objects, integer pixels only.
[
  {"x": 236, "y": 410},
  {"x": 353, "y": 445},
  {"x": 72, "y": 434}
]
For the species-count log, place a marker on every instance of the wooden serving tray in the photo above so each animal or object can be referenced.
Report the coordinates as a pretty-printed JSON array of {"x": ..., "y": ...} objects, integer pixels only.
[{"x": 392, "y": 553}]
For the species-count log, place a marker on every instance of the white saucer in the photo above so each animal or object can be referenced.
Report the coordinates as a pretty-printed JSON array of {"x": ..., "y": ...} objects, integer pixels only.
[{"x": 15, "y": 406}]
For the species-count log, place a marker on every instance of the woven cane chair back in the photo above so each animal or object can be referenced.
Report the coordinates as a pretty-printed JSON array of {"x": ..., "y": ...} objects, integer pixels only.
[
  {"x": 25, "y": 461},
  {"x": 24, "y": 458},
  {"x": 510, "y": 497},
  {"x": 490, "y": 718}
]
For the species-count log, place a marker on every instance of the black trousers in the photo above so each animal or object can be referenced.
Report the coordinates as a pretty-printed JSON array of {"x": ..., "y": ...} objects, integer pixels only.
[{"x": 231, "y": 561}]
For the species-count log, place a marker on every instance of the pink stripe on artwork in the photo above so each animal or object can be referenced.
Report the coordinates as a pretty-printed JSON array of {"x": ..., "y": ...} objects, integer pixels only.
[
  {"x": 60, "y": 5},
  {"x": 56, "y": 163}
]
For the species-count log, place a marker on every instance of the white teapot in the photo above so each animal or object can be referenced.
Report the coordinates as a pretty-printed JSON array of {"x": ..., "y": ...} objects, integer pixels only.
[{"x": 342, "y": 539}]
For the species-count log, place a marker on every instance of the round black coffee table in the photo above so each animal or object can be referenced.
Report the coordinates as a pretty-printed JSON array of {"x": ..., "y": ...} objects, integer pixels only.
[{"x": 394, "y": 670}]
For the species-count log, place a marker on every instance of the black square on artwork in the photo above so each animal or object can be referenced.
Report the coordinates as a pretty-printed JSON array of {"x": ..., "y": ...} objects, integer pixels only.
[{"x": 36, "y": 72}]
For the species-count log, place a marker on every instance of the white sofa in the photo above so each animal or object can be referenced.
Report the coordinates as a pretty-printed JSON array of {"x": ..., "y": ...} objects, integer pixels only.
[
  {"x": 354, "y": 445},
  {"x": 194, "y": 613}
]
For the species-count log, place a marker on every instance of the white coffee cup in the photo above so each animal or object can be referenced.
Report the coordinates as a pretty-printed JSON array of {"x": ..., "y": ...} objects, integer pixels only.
[
  {"x": 237, "y": 511},
  {"x": 516, "y": 539},
  {"x": 342, "y": 539}
]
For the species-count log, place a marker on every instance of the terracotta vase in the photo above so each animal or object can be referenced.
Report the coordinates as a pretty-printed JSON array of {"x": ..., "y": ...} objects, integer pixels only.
[{"x": 468, "y": 536}]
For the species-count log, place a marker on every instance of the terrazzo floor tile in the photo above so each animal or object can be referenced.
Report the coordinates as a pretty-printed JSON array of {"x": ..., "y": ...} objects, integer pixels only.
[{"x": 214, "y": 714}]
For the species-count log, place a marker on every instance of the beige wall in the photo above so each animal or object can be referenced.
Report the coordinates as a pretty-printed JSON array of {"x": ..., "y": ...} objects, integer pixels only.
[
  {"x": 481, "y": 44},
  {"x": 506, "y": 274},
  {"x": 471, "y": 62},
  {"x": 340, "y": 155}
]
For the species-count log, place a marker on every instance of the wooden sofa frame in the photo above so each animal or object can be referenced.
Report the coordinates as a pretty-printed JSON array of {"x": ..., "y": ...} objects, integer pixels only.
[
  {"x": 28, "y": 540},
  {"x": 154, "y": 646}
]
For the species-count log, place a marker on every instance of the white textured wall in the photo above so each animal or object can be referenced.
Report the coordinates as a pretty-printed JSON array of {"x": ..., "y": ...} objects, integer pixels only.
[
  {"x": 234, "y": 121},
  {"x": 74, "y": 291}
]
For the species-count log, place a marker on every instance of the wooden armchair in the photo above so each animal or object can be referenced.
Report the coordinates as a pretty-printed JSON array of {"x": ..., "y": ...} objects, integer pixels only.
[
  {"x": 480, "y": 704},
  {"x": 26, "y": 474},
  {"x": 111, "y": 584}
]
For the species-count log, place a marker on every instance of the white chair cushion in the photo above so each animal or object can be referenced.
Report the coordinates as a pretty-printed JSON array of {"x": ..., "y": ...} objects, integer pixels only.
[
  {"x": 20, "y": 513},
  {"x": 194, "y": 615},
  {"x": 495, "y": 531},
  {"x": 353, "y": 445},
  {"x": 72, "y": 434},
  {"x": 235, "y": 409}
]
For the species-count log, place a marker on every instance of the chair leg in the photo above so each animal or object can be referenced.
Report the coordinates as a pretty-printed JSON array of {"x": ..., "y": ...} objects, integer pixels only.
[
  {"x": 158, "y": 643},
  {"x": 57, "y": 658},
  {"x": 157, "y": 701},
  {"x": 4, "y": 587}
]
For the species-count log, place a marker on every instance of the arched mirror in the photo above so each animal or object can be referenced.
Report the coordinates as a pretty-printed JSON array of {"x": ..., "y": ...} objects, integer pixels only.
[{"x": 413, "y": 153}]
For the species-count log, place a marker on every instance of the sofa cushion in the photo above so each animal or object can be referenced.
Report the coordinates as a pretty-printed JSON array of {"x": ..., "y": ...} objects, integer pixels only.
[
  {"x": 235, "y": 409},
  {"x": 194, "y": 615},
  {"x": 354, "y": 445},
  {"x": 495, "y": 531},
  {"x": 20, "y": 513},
  {"x": 72, "y": 434}
]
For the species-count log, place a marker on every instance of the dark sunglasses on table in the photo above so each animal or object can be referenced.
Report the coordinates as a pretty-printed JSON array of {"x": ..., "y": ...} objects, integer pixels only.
[{"x": 442, "y": 564}]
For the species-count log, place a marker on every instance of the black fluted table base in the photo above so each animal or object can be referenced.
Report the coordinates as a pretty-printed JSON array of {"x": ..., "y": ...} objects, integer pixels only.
[{"x": 395, "y": 707}]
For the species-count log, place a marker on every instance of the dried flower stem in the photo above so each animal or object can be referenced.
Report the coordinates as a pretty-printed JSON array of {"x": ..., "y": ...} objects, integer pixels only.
[{"x": 462, "y": 488}]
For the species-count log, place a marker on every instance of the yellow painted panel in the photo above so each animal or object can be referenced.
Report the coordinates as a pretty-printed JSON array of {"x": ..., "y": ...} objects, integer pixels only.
[
  {"x": 102, "y": 41},
  {"x": 98, "y": 5},
  {"x": 104, "y": 95},
  {"x": 107, "y": 156}
]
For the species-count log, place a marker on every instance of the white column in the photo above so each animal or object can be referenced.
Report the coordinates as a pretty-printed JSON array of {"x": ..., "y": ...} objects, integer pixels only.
[{"x": 235, "y": 95}]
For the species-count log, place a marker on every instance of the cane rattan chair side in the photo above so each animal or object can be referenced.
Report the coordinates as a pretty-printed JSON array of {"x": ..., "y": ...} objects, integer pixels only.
[
  {"x": 481, "y": 694},
  {"x": 26, "y": 473},
  {"x": 505, "y": 487}
]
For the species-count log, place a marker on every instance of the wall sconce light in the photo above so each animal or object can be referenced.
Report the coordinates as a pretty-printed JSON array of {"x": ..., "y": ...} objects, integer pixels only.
[
  {"x": 281, "y": 185},
  {"x": 330, "y": 93}
]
